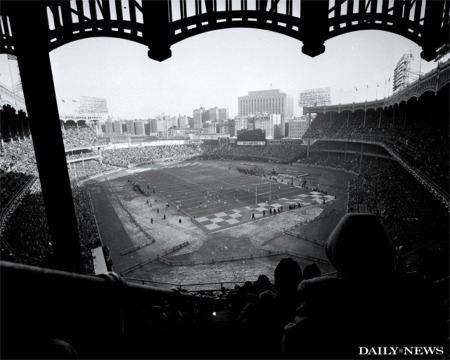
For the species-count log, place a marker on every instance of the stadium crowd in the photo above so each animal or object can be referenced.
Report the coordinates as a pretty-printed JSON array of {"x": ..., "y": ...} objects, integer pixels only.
[
  {"x": 81, "y": 136},
  {"x": 422, "y": 144},
  {"x": 280, "y": 152},
  {"x": 143, "y": 154},
  {"x": 81, "y": 170},
  {"x": 27, "y": 233},
  {"x": 18, "y": 155}
]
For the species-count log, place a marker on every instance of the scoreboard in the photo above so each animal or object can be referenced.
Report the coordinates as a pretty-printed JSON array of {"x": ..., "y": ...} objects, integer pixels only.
[{"x": 251, "y": 137}]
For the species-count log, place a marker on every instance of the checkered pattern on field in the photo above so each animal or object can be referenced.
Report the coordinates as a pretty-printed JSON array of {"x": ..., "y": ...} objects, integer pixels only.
[{"x": 232, "y": 217}]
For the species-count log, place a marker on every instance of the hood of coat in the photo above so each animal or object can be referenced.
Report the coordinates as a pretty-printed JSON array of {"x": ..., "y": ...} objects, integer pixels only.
[{"x": 360, "y": 245}]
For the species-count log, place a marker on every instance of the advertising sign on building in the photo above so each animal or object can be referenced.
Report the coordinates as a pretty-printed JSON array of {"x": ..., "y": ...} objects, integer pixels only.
[{"x": 252, "y": 143}]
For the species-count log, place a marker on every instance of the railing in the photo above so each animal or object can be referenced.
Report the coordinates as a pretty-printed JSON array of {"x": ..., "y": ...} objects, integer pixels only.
[
  {"x": 153, "y": 258},
  {"x": 9, "y": 208},
  {"x": 53, "y": 281}
]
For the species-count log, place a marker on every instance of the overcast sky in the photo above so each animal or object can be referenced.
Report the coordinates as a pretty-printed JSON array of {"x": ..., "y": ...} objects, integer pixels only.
[{"x": 213, "y": 69}]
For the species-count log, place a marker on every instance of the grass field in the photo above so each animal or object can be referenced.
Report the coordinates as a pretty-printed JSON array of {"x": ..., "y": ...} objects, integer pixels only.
[{"x": 222, "y": 215}]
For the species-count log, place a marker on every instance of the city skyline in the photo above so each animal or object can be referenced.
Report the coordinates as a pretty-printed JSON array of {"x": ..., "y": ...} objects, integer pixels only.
[{"x": 230, "y": 63}]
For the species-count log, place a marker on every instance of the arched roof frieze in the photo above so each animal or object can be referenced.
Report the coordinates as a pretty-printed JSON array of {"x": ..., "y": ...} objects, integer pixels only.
[{"x": 160, "y": 24}]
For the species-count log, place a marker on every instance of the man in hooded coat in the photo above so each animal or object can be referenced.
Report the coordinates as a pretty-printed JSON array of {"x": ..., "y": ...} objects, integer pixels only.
[{"x": 367, "y": 306}]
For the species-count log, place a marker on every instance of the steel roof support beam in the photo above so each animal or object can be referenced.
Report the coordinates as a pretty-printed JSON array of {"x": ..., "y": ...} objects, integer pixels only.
[
  {"x": 30, "y": 29},
  {"x": 157, "y": 32}
]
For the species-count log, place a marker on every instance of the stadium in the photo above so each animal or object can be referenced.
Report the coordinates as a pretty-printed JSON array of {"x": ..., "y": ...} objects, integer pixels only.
[{"x": 219, "y": 249}]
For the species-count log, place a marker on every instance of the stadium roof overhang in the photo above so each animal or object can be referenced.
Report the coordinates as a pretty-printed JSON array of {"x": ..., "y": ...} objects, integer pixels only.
[{"x": 160, "y": 24}]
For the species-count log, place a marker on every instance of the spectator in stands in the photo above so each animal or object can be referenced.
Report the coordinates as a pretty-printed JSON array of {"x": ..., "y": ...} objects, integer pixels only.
[
  {"x": 263, "y": 320},
  {"x": 311, "y": 271},
  {"x": 367, "y": 305},
  {"x": 262, "y": 284}
]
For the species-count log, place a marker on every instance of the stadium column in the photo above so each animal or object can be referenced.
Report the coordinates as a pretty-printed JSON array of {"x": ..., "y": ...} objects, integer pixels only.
[
  {"x": 157, "y": 33},
  {"x": 30, "y": 30}
]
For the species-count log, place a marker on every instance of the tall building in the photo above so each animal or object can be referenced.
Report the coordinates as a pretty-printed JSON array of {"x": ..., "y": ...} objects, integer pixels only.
[
  {"x": 267, "y": 123},
  {"x": 163, "y": 123},
  {"x": 117, "y": 127},
  {"x": 297, "y": 128},
  {"x": 267, "y": 101},
  {"x": 198, "y": 117},
  {"x": 182, "y": 122},
  {"x": 278, "y": 126},
  {"x": 224, "y": 114},
  {"x": 130, "y": 127},
  {"x": 210, "y": 127},
  {"x": 240, "y": 123},
  {"x": 108, "y": 127},
  {"x": 153, "y": 126},
  {"x": 213, "y": 114},
  {"x": 139, "y": 128}
]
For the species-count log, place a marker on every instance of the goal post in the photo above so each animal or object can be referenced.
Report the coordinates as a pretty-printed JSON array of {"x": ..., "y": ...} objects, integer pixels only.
[{"x": 264, "y": 193}]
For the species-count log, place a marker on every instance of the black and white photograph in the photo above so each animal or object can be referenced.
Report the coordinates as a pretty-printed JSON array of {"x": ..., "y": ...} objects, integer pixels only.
[{"x": 224, "y": 179}]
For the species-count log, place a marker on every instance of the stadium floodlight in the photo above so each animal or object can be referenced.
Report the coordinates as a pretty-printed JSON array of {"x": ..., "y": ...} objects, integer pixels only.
[
  {"x": 92, "y": 105},
  {"x": 314, "y": 97},
  {"x": 403, "y": 75}
]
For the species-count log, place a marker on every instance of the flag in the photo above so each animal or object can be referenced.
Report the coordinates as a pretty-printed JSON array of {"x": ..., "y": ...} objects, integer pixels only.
[{"x": 63, "y": 100}]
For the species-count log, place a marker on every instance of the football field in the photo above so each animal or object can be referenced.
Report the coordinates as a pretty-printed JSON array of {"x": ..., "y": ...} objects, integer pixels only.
[
  {"x": 203, "y": 221},
  {"x": 217, "y": 198}
]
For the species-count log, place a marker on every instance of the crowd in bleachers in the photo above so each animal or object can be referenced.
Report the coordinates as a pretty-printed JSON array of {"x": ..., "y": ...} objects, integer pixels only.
[
  {"x": 27, "y": 233},
  {"x": 18, "y": 155},
  {"x": 81, "y": 170},
  {"x": 347, "y": 162},
  {"x": 414, "y": 217},
  {"x": 80, "y": 136},
  {"x": 279, "y": 152},
  {"x": 424, "y": 144},
  {"x": 11, "y": 184},
  {"x": 353, "y": 148},
  {"x": 144, "y": 154}
]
